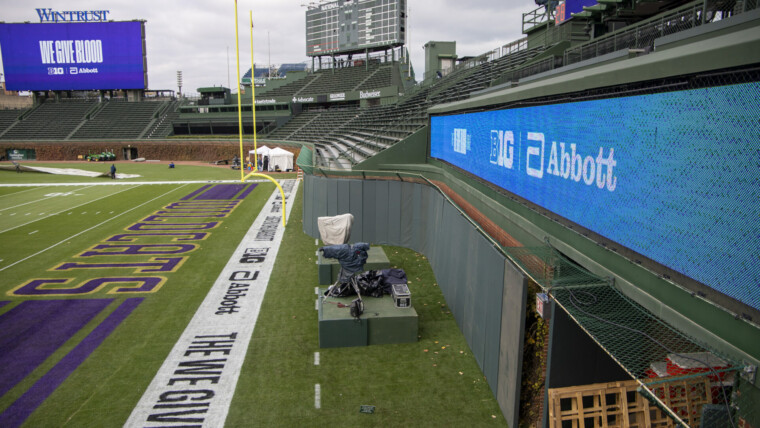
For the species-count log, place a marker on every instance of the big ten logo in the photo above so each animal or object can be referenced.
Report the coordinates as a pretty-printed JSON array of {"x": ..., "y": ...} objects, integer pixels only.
[
  {"x": 62, "y": 287},
  {"x": 503, "y": 148},
  {"x": 54, "y": 71},
  {"x": 254, "y": 255}
]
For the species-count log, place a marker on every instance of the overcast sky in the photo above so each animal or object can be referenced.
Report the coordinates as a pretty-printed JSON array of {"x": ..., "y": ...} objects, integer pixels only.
[{"x": 195, "y": 35}]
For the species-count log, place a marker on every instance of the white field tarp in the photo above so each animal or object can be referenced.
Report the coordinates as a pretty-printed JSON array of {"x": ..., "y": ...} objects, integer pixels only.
[{"x": 67, "y": 171}]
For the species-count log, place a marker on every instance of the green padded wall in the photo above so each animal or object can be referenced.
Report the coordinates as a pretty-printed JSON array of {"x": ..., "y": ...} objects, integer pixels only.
[{"x": 470, "y": 271}]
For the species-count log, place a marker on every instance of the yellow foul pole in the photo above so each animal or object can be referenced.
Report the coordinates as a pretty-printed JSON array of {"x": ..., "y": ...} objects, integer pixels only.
[
  {"x": 253, "y": 96},
  {"x": 253, "y": 107},
  {"x": 240, "y": 109}
]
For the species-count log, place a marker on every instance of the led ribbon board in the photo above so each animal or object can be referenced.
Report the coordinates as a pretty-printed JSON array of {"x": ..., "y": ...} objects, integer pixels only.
[
  {"x": 674, "y": 176},
  {"x": 73, "y": 56}
]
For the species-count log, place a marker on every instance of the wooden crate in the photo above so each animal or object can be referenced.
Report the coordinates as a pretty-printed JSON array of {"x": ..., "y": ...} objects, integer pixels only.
[
  {"x": 618, "y": 404},
  {"x": 685, "y": 397}
]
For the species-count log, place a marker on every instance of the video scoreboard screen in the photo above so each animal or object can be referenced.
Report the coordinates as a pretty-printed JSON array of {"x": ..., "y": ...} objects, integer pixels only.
[
  {"x": 73, "y": 56},
  {"x": 673, "y": 176},
  {"x": 348, "y": 26}
]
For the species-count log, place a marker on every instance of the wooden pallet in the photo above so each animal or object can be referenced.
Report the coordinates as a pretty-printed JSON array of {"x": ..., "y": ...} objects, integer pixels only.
[{"x": 618, "y": 404}]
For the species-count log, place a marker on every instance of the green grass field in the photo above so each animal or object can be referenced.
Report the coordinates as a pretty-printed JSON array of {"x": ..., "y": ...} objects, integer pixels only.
[{"x": 434, "y": 382}]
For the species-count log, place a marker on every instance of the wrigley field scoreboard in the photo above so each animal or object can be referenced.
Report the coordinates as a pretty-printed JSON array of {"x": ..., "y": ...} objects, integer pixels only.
[{"x": 350, "y": 26}]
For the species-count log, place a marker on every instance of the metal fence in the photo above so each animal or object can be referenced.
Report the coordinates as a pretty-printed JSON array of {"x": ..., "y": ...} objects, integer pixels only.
[{"x": 643, "y": 35}]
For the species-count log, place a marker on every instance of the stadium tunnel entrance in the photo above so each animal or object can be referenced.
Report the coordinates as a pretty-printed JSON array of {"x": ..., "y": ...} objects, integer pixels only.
[{"x": 129, "y": 152}]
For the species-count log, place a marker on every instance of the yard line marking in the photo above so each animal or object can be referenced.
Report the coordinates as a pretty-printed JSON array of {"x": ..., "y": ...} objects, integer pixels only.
[
  {"x": 221, "y": 329},
  {"x": 316, "y": 358},
  {"x": 316, "y": 291},
  {"x": 22, "y": 191},
  {"x": 87, "y": 230},
  {"x": 13, "y": 213},
  {"x": 85, "y": 203},
  {"x": 316, "y": 304},
  {"x": 32, "y": 233},
  {"x": 35, "y": 201},
  {"x": 317, "y": 396}
]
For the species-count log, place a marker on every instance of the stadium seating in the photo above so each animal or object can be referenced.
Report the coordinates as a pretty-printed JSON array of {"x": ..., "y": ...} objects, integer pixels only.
[
  {"x": 8, "y": 118},
  {"x": 162, "y": 127},
  {"x": 345, "y": 143},
  {"x": 53, "y": 120},
  {"x": 119, "y": 119},
  {"x": 288, "y": 90},
  {"x": 349, "y": 79}
]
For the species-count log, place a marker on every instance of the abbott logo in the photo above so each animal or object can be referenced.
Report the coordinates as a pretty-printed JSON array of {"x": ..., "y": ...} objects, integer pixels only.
[
  {"x": 460, "y": 140},
  {"x": 73, "y": 70},
  {"x": 503, "y": 148}
]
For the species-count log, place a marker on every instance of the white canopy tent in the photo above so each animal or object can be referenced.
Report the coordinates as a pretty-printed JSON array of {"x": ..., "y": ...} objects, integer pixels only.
[
  {"x": 261, "y": 150},
  {"x": 280, "y": 158},
  {"x": 277, "y": 157}
]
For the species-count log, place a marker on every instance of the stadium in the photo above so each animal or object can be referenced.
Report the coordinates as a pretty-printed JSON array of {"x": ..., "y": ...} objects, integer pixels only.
[{"x": 576, "y": 212}]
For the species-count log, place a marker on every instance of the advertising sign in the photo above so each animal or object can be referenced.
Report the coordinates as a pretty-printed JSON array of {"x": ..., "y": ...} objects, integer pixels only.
[
  {"x": 673, "y": 176},
  {"x": 73, "y": 56}
]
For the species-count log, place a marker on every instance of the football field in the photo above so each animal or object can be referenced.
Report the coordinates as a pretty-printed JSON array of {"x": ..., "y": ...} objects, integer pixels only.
[{"x": 99, "y": 280}]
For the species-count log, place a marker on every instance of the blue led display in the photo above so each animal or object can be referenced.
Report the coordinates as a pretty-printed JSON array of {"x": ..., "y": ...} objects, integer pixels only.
[
  {"x": 73, "y": 56},
  {"x": 674, "y": 176}
]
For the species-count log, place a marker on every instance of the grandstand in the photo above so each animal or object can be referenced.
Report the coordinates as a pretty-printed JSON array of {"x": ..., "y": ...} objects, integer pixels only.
[
  {"x": 50, "y": 120},
  {"x": 119, "y": 119},
  {"x": 416, "y": 170}
]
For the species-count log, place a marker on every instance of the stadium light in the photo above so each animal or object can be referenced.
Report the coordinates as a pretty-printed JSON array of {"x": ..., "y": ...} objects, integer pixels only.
[{"x": 179, "y": 82}]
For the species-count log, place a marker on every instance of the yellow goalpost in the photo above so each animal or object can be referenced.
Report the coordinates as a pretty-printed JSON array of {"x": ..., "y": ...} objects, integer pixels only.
[{"x": 255, "y": 173}]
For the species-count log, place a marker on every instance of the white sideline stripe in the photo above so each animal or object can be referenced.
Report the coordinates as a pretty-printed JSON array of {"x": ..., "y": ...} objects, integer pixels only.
[
  {"x": 39, "y": 200},
  {"x": 316, "y": 291},
  {"x": 316, "y": 304},
  {"x": 316, "y": 358},
  {"x": 89, "y": 229},
  {"x": 317, "y": 396},
  {"x": 128, "y": 183},
  {"x": 70, "y": 208},
  {"x": 210, "y": 352}
]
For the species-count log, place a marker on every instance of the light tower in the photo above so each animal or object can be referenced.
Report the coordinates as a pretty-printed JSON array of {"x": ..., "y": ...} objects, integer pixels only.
[{"x": 179, "y": 82}]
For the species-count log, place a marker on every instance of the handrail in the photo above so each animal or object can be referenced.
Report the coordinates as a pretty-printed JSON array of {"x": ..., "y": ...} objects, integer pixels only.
[{"x": 643, "y": 34}]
